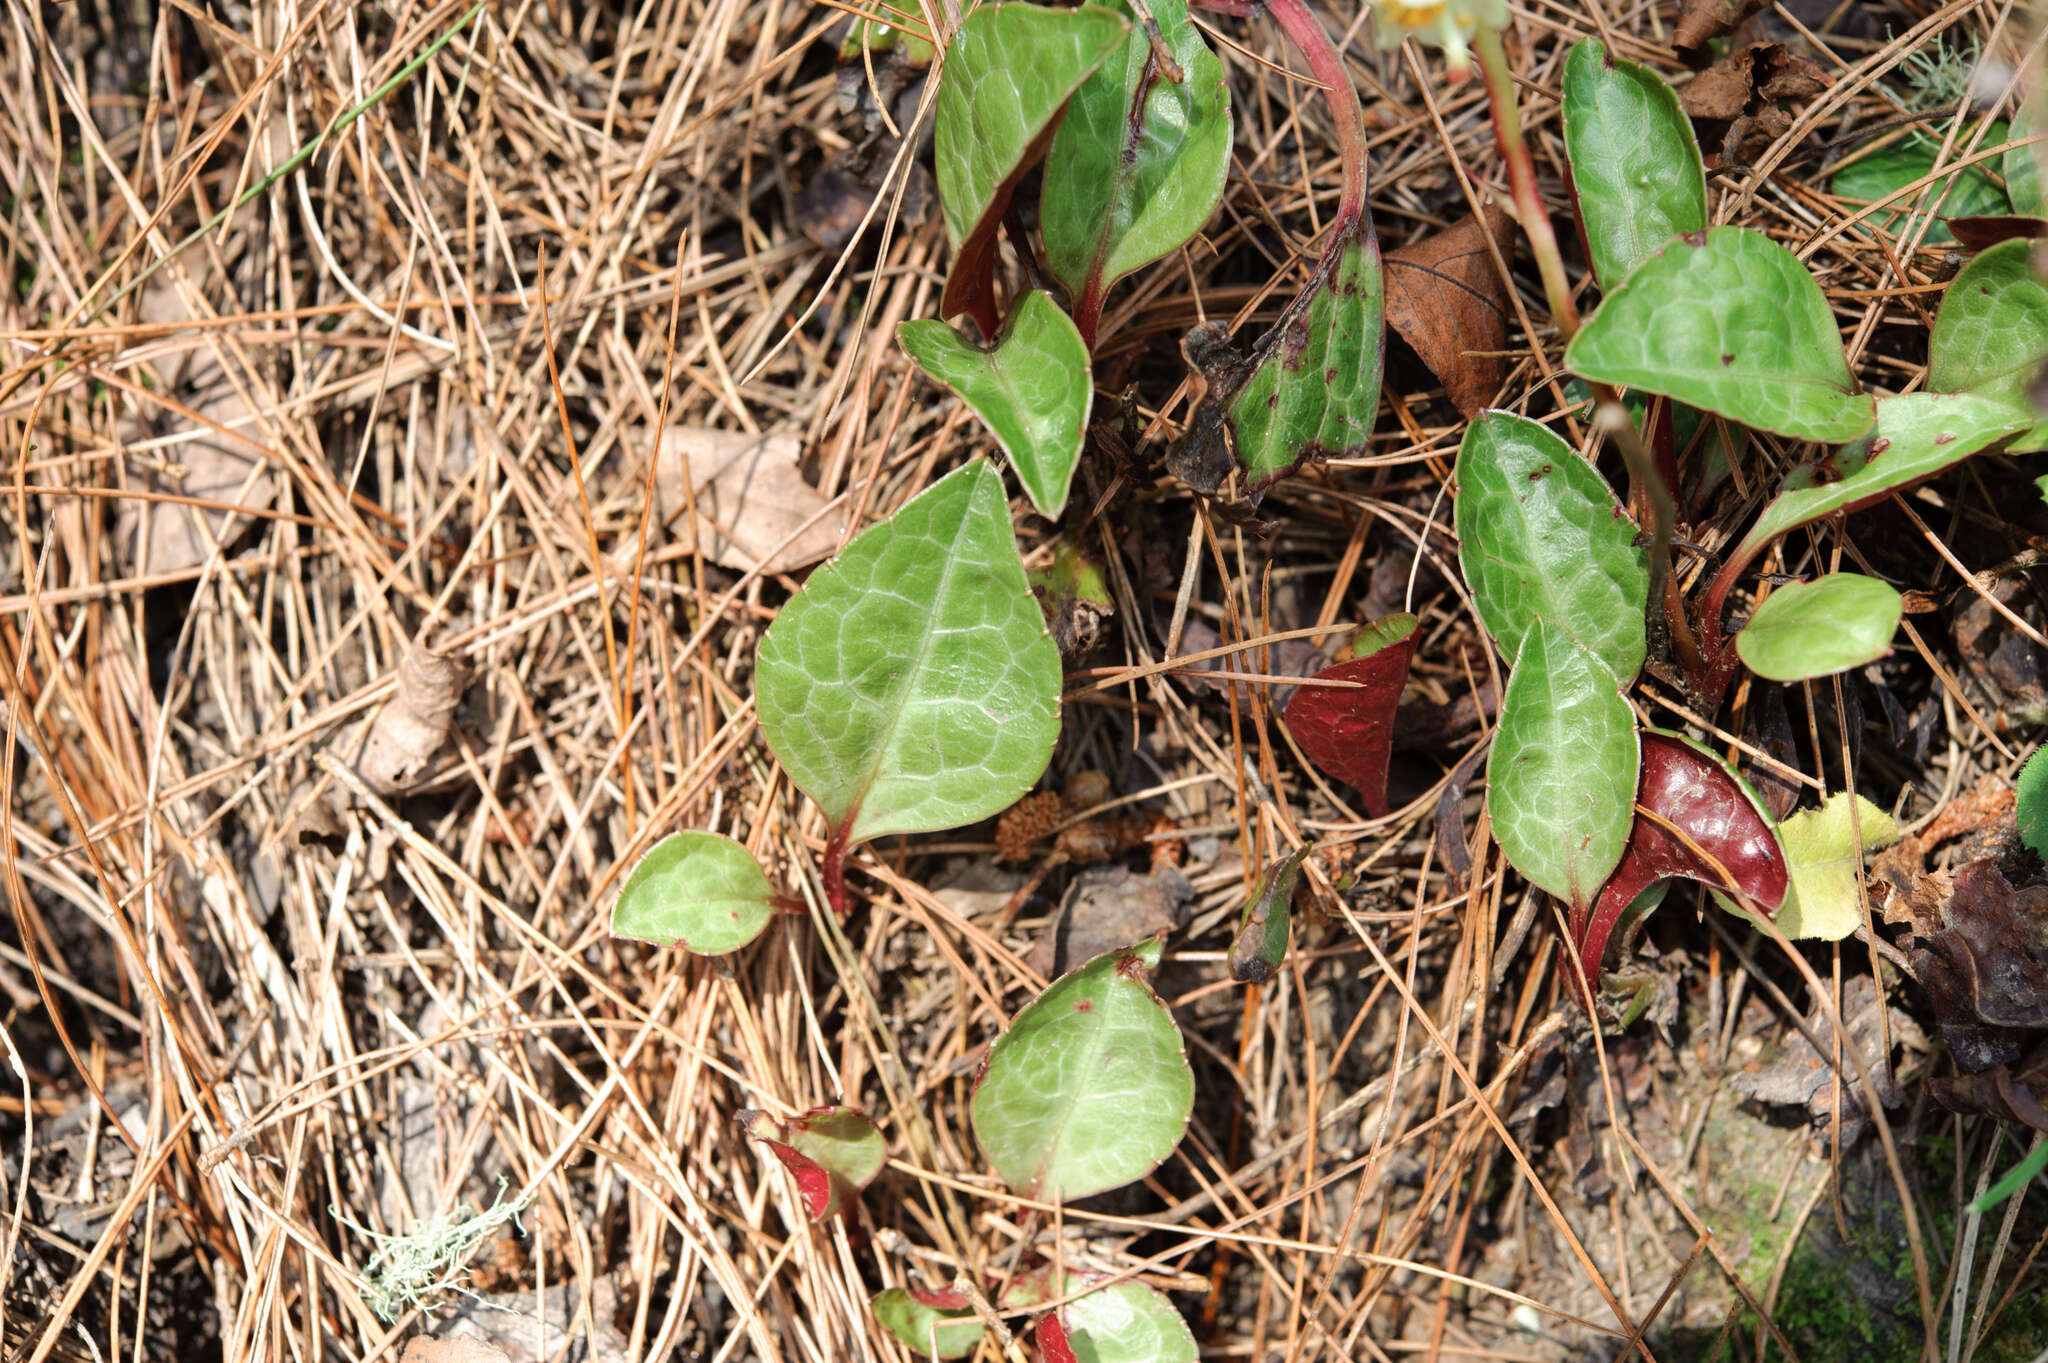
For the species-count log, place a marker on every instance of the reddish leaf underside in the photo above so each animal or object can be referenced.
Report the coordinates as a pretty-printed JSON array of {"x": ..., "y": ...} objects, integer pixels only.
[
  {"x": 1348, "y": 731},
  {"x": 813, "y": 1184},
  {"x": 939, "y": 1299},
  {"x": 971, "y": 283},
  {"x": 1052, "y": 1341},
  {"x": 1697, "y": 795}
]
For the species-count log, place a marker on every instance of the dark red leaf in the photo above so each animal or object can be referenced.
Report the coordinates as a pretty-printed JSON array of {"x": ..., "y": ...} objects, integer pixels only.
[
  {"x": 1983, "y": 233},
  {"x": 1692, "y": 791},
  {"x": 1348, "y": 732},
  {"x": 813, "y": 1184},
  {"x": 1052, "y": 1341}
]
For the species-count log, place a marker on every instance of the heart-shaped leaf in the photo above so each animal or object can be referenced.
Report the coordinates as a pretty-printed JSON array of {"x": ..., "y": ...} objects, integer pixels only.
[
  {"x": 1635, "y": 164},
  {"x": 1122, "y": 1323},
  {"x": 1917, "y": 436},
  {"x": 1561, "y": 780},
  {"x": 1819, "y": 628},
  {"x": 699, "y": 891},
  {"x": 1731, "y": 322},
  {"x": 1824, "y": 902},
  {"x": 911, "y": 685},
  {"x": 2022, "y": 167},
  {"x": 1962, "y": 193},
  {"x": 1032, "y": 388},
  {"x": 832, "y": 1152},
  {"x": 1090, "y": 1088},
  {"x": 1009, "y": 72},
  {"x": 1720, "y": 827},
  {"x": 1138, "y": 163},
  {"x": 1348, "y": 732},
  {"x": 1541, "y": 536},
  {"x": 1991, "y": 335},
  {"x": 930, "y": 1324},
  {"x": 1261, "y": 942}
]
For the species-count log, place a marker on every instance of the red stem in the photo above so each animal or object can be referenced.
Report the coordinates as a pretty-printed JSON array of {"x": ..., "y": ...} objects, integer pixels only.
[
  {"x": 1326, "y": 64},
  {"x": 835, "y": 869}
]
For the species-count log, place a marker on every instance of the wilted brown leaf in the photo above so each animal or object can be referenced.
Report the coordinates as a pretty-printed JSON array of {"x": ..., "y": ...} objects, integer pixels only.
[
  {"x": 1110, "y": 907},
  {"x": 1705, "y": 20},
  {"x": 753, "y": 504},
  {"x": 412, "y": 727},
  {"x": 455, "y": 1349},
  {"x": 1444, "y": 297},
  {"x": 1986, "y": 971}
]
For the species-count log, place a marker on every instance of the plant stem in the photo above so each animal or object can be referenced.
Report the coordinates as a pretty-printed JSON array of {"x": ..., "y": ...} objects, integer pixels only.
[
  {"x": 1326, "y": 64},
  {"x": 834, "y": 869},
  {"x": 1507, "y": 133}
]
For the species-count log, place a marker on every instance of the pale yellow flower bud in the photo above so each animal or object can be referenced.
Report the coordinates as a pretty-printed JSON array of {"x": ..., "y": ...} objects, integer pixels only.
[{"x": 1447, "y": 23}]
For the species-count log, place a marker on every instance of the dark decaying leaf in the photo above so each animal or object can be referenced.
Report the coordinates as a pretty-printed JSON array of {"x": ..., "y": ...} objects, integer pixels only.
[
  {"x": 1261, "y": 941},
  {"x": 1348, "y": 731},
  {"x": 1799, "y": 1075},
  {"x": 1451, "y": 847},
  {"x": 1689, "y": 790},
  {"x": 831, "y": 1152},
  {"x": 1445, "y": 299},
  {"x": 1108, "y": 907},
  {"x": 1702, "y": 21},
  {"x": 1986, "y": 970},
  {"x": 1984, "y": 231},
  {"x": 2017, "y": 1092}
]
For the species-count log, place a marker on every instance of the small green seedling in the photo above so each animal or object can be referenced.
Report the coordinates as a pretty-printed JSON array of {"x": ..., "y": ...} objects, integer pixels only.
[
  {"x": 1261, "y": 942},
  {"x": 1124, "y": 1322},
  {"x": 831, "y": 1152},
  {"x": 931, "y": 1324},
  {"x": 698, "y": 891}
]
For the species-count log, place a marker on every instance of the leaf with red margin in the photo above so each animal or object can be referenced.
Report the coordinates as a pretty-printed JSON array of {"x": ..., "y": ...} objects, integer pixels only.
[
  {"x": 1690, "y": 790},
  {"x": 1052, "y": 1341},
  {"x": 1348, "y": 731},
  {"x": 831, "y": 1152}
]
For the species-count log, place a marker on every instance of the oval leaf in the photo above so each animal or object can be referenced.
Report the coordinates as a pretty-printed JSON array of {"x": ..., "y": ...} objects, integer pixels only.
[
  {"x": 1348, "y": 732},
  {"x": 832, "y": 1152},
  {"x": 699, "y": 891},
  {"x": 1540, "y": 535},
  {"x": 1138, "y": 163},
  {"x": 1991, "y": 335},
  {"x": 930, "y": 1324},
  {"x": 1033, "y": 389},
  {"x": 1090, "y": 1088},
  {"x": 2022, "y": 167},
  {"x": 1733, "y": 323},
  {"x": 911, "y": 685},
  {"x": 1825, "y": 902},
  {"x": 1008, "y": 74},
  {"x": 1561, "y": 780},
  {"x": 1123, "y": 1323},
  {"x": 1819, "y": 628},
  {"x": 2030, "y": 807},
  {"x": 1693, "y": 791},
  {"x": 1635, "y": 164},
  {"x": 1962, "y": 193},
  {"x": 1261, "y": 942}
]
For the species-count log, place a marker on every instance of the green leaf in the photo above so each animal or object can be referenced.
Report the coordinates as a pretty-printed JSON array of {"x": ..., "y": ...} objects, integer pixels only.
[
  {"x": 1561, "y": 780},
  {"x": 930, "y": 1324},
  {"x": 2015, "y": 1178},
  {"x": 911, "y": 686},
  {"x": 1541, "y": 536},
  {"x": 2031, "y": 803},
  {"x": 1261, "y": 942},
  {"x": 1991, "y": 335},
  {"x": 1881, "y": 174},
  {"x": 1008, "y": 74},
  {"x": 832, "y": 1152},
  {"x": 1824, "y": 903},
  {"x": 699, "y": 891},
  {"x": 1138, "y": 163},
  {"x": 1635, "y": 164},
  {"x": 1033, "y": 389},
  {"x": 2022, "y": 167},
  {"x": 1733, "y": 323},
  {"x": 1819, "y": 628},
  {"x": 1917, "y": 435},
  {"x": 1125, "y": 1323},
  {"x": 1090, "y": 1088}
]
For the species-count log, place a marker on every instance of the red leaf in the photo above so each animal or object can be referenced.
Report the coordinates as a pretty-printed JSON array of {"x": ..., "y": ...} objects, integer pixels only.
[
  {"x": 813, "y": 1184},
  {"x": 940, "y": 1299},
  {"x": 1692, "y": 791},
  {"x": 1052, "y": 1341},
  {"x": 1348, "y": 732}
]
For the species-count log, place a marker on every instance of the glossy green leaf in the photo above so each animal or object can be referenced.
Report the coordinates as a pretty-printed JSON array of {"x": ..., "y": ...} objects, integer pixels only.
[
  {"x": 2022, "y": 167},
  {"x": 2030, "y": 811},
  {"x": 699, "y": 891},
  {"x": 1968, "y": 191},
  {"x": 1138, "y": 163},
  {"x": 1125, "y": 1322},
  {"x": 911, "y": 685},
  {"x": 1819, "y": 628},
  {"x": 1824, "y": 903},
  {"x": 1561, "y": 779},
  {"x": 1090, "y": 1088},
  {"x": 1917, "y": 435},
  {"x": 1009, "y": 72},
  {"x": 1261, "y": 942},
  {"x": 1991, "y": 335},
  {"x": 831, "y": 1152},
  {"x": 1733, "y": 323},
  {"x": 1033, "y": 389},
  {"x": 930, "y": 1324},
  {"x": 1635, "y": 164},
  {"x": 1541, "y": 536}
]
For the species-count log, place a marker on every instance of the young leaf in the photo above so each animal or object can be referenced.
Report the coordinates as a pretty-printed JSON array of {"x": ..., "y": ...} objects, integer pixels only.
[
  {"x": 1969, "y": 191},
  {"x": 1818, "y": 628},
  {"x": 2030, "y": 808},
  {"x": 1261, "y": 942},
  {"x": 699, "y": 891},
  {"x": 1032, "y": 388},
  {"x": 1992, "y": 333},
  {"x": 1090, "y": 1088},
  {"x": 1561, "y": 780},
  {"x": 930, "y": 1324},
  {"x": 1349, "y": 732},
  {"x": 1693, "y": 791},
  {"x": 1917, "y": 436},
  {"x": 1138, "y": 163},
  {"x": 1635, "y": 164},
  {"x": 1823, "y": 902},
  {"x": 2022, "y": 167},
  {"x": 832, "y": 1152},
  {"x": 1311, "y": 388},
  {"x": 1124, "y": 1322},
  {"x": 1008, "y": 74},
  {"x": 1731, "y": 322},
  {"x": 1540, "y": 536}
]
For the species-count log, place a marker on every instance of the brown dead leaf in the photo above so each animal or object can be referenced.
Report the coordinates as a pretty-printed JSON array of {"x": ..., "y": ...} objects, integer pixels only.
[
  {"x": 1106, "y": 908},
  {"x": 1986, "y": 971},
  {"x": 755, "y": 508},
  {"x": 454, "y": 1349},
  {"x": 1444, "y": 297},
  {"x": 1705, "y": 20},
  {"x": 1739, "y": 100},
  {"x": 1986, "y": 231},
  {"x": 1721, "y": 91},
  {"x": 2016, "y": 1092},
  {"x": 412, "y": 727}
]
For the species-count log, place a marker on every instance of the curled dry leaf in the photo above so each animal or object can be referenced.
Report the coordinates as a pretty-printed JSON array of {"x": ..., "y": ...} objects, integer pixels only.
[
  {"x": 1109, "y": 907},
  {"x": 2017, "y": 1092},
  {"x": 754, "y": 509},
  {"x": 413, "y": 726},
  {"x": 1702, "y": 21},
  {"x": 1445, "y": 299},
  {"x": 1986, "y": 970}
]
